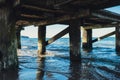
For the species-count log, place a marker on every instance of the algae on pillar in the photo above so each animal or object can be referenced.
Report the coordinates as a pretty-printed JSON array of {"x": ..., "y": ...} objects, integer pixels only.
[
  {"x": 41, "y": 40},
  {"x": 8, "y": 45}
]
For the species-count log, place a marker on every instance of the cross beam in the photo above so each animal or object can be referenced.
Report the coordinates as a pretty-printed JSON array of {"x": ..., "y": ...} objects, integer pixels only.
[{"x": 59, "y": 35}]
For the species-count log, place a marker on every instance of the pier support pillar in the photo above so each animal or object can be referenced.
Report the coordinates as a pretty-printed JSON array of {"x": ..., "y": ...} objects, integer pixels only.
[
  {"x": 8, "y": 41},
  {"x": 118, "y": 39},
  {"x": 41, "y": 40},
  {"x": 74, "y": 34},
  {"x": 18, "y": 38},
  {"x": 87, "y": 39}
]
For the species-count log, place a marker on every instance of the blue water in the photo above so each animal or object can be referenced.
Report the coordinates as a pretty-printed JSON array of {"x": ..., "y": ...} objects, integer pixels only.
[{"x": 102, "y": 63}]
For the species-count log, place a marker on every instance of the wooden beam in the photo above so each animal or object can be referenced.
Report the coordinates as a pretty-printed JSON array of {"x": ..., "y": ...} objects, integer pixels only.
[
  {"x": 29, "y": 19},
  {"x": 62, "y": 3},
  {"x": 44, "y": 9},
  {"x": 100, "y": 26},
  {"x": 104, "y": 14},
  {"x": 102, "y": 37},
  {"x": 106, "y": 4},
  {"x": 95, "y": 4},
  {"x": 59, "y": 35},
  {"x": 96, "y": 20},
  {"x": 22, "y": 10},
  {"x": 32, "y": 16},
  {"x": 35, "y": 2},
  {"x": 78, "y": 15},
  {"x": 105, "y": 17}
]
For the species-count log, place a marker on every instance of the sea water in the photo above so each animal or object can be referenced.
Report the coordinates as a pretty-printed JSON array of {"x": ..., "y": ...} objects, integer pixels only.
[{"x": 102, "y": 63}]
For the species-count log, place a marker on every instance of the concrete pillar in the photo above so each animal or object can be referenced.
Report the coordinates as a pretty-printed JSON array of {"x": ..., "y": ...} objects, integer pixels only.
[
  {"x": 8, "y": 42},
  {"x": 74, "y": 33},
  {"x": 118, "y": 39},
  {"x": 87, "y": 39},
  {"x": 41, "y": 40},
  {"x": 18, "y": 38}
]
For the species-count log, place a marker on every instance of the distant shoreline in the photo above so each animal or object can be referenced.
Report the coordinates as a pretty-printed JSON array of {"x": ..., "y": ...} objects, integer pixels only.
[
  {"x": 24, "y": 36},
  {"x": 62, "y": 37}
]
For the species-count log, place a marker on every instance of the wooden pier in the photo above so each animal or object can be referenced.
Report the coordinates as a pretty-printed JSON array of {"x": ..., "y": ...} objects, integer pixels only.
[{"x": 85, "y": 14}]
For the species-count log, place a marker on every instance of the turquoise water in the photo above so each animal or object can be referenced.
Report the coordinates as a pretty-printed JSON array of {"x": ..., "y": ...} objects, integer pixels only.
[{"x": 101, "y": 64}]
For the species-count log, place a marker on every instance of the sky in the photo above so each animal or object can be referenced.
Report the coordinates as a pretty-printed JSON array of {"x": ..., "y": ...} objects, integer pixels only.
[{"x": 32, "y": 31}]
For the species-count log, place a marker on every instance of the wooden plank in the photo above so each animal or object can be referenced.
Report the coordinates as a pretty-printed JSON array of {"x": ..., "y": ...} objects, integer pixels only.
[
  {"x": 78, "y": 15},
  {"x": 74, "y": 33},
  {"x": 58, "y": 4},
  {"x": 59, "y": 35},
  {"x": 32, "y": 16},
  {"x": 104, "y": 14},
  {"x": 44, "y": 9},
  {"x": 106, "y": 4},
  {"x": 102, "y": 37},
  {"x": 41, "y": 40},
  {"x": 96, "y": 26},
  {"x": 105, "y": 17},
  {"x": 93, "y": 4}
]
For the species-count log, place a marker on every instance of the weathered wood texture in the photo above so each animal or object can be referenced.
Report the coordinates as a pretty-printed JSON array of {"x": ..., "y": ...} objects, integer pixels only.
[
  {"x": 41, "y": 40},
  {"x": 117, "y": 32},
  {"x": 9, "y": 2},
  {"x": 45, "y": 12},
  {"x": 87, "y": 39},
  {"x": 68, "y": 4},
  {"x": 102, "y": 37},
  {"x": 74, "y": 33},
  {"x": 97, "y": 26},
  {"x": 59, "y": 35},
  {"x": 53, "y": 20},
  {"x": 43, "y": 9},
  {"x": 8, "y": 43},
  {"x": 108, "y": 15}
]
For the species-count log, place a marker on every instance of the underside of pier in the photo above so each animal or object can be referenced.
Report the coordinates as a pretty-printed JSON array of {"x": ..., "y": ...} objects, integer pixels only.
[{"x": 88, "y": 14}]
